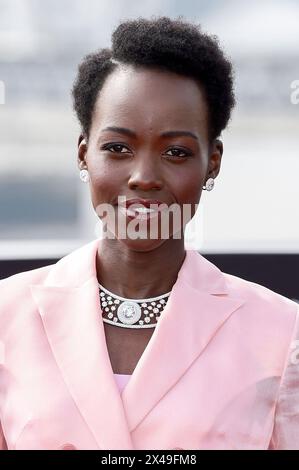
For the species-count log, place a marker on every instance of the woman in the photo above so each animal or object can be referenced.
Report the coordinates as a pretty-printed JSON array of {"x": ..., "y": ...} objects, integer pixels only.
[{"x": 135, "y": 342}]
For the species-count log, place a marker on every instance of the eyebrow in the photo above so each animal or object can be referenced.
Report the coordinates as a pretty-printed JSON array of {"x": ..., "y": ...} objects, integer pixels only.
[{"x": 130, "y": 133}]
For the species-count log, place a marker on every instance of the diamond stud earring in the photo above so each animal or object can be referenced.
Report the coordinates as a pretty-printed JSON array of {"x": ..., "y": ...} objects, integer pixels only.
[
  {"x": 84, "y": 176},
  {"x": 209, "y": 184}
]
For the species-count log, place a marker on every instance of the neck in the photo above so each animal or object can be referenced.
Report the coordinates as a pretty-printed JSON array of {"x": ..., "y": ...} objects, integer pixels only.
[{"x": 139, "y": 274}]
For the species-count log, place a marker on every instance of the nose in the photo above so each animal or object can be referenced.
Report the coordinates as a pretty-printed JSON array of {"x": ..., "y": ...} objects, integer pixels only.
[{"x": 145, "y": 175}]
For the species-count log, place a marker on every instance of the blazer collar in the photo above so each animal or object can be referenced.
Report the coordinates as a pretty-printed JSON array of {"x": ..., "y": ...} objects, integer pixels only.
[{"x": 69, "y": 306}]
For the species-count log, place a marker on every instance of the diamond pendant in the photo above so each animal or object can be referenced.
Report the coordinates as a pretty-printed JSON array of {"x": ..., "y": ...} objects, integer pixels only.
[{"x": 129, "y": 312}]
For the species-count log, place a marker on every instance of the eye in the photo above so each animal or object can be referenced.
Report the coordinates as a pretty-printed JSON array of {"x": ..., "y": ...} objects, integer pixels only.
[
  {"x": 178, "y": 151},
  {"x": 118, "y": 147}
]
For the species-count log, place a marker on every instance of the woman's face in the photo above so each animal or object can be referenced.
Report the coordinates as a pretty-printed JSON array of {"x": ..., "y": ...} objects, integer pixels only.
[{"x": 142, "y": 162}]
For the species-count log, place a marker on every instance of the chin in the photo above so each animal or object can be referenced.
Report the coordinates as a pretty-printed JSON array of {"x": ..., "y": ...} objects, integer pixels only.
[{"x": 142, "y": 244}]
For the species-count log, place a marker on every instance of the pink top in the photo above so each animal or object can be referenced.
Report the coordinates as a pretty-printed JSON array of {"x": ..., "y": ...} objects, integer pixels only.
[{"x": 122, "y": 380}]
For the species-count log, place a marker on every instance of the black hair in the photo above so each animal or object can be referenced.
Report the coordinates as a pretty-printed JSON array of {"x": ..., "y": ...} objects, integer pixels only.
[{"x": 168, "y": 44}]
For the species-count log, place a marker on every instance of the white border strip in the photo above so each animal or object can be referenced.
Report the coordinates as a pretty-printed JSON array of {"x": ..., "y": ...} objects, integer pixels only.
[
  {"x": 47, "y": 249},
  {"x": 34, "y": 249}
]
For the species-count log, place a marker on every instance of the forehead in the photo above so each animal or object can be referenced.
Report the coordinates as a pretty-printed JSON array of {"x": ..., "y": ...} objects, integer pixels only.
[{"x": 150, "y": 99}]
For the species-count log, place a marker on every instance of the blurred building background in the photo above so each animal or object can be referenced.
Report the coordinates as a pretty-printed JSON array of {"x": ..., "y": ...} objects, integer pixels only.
[{"x": 45, "y": 210}]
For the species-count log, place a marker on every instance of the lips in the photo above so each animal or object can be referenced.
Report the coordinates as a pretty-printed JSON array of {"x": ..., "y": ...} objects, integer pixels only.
[
  {"x": 142, "y": 208},
  {"x": 143, "y": 203}
]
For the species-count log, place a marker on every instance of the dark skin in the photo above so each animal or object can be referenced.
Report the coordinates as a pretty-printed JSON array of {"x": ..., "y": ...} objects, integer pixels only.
[{"x": 172, "y": 169}]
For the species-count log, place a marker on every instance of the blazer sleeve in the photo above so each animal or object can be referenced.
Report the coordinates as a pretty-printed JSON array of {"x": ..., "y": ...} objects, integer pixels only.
[
  {"x": 3, "y": 445},
  {"x": 285, "y": 435}
]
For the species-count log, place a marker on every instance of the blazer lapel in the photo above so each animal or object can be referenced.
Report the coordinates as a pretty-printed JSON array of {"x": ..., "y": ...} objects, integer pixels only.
[
  {"x": 68, "y": 302},
  {"x": 72, "y": 321},
  {"x": 196, "y": 309}
]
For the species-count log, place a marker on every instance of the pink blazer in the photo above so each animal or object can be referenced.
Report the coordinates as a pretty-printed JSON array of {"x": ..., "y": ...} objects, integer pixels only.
[{"x": 219, "y": 372}]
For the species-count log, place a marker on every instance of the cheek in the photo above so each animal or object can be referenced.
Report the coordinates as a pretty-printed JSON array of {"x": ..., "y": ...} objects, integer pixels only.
[
  {"x": 188, "y": 187},
  {"x": 105, "y": 182}
]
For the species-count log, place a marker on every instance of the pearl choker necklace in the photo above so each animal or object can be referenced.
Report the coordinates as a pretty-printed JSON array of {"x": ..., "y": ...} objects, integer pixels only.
[{"x": 131, "y": 313}]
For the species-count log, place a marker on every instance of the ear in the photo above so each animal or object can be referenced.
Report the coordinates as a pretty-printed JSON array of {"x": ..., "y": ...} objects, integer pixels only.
[
  {"x": 82, "y": 150},
  {"x": 215, "y": 155}
]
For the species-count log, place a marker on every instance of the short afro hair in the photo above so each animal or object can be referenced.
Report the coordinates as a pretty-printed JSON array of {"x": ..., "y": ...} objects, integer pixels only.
[{"x": 168, "y": 44}]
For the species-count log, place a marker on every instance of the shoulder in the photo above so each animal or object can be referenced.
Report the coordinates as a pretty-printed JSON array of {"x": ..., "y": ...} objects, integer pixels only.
[
  {"x": 253, "y": 292},
  {"x": 267, "y": 310},
  {"x": 64, "y": 266},
  {"x": 22, "y": 280},
  {"x": 206, "y": 276},
  {"x": 15, "y": 292},
  {"x": 72, "y": 270}
]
